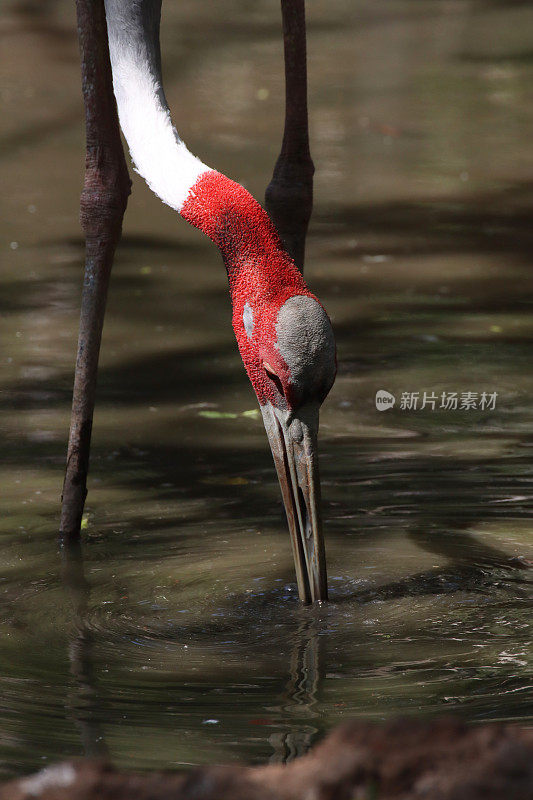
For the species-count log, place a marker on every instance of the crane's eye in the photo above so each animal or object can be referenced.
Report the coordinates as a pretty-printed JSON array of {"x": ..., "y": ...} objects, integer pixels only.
[{"x": 274, "y": 378}]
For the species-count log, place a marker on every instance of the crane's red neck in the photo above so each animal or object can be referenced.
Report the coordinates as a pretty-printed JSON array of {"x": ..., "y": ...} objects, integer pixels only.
[
  {"x": 243, "y": 232},
  {"x": 261, "y": 274}
]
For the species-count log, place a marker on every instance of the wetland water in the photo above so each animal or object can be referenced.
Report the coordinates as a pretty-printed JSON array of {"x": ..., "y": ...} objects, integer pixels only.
[{"x": 180, "y": 640}]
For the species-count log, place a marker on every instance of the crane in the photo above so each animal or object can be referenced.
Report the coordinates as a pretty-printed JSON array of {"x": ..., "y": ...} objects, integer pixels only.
[{"x": 283, "y": 333}]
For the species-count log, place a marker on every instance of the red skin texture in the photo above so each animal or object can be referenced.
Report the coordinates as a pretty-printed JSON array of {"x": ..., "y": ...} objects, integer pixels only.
[{"x": 260, "y": 273}]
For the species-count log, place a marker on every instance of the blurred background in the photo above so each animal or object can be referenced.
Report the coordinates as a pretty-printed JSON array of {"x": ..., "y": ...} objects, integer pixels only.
[{"x": 179, "y": 639}]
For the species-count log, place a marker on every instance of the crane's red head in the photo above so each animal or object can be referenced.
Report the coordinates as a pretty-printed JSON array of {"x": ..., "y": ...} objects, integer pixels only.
[{"x": 287, "y": 346}]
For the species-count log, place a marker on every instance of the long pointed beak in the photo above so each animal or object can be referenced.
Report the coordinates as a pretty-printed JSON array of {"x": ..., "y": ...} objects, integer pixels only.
[{"x": 293, "y": 441}]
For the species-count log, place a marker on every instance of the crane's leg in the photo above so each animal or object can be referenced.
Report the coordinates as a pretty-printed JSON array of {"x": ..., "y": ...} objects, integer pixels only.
[
  {"x": 103, "y": 202},
  {"x": 289, "y": 196}
]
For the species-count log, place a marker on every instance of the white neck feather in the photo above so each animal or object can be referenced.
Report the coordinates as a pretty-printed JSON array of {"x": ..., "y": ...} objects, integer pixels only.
[{"x": 157, "y": 151}]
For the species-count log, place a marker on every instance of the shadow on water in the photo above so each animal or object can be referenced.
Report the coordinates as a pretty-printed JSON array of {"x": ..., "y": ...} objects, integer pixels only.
[
  {"x": 473, "y": 567},
  {"x": 449, "y": 539}
]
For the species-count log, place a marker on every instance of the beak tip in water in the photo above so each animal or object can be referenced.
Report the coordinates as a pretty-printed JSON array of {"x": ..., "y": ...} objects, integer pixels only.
[{"x": 293, "y": 441}]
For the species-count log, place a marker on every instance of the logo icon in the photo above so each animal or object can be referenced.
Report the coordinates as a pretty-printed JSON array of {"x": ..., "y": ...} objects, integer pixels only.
[{"x": 384, "y": 400}]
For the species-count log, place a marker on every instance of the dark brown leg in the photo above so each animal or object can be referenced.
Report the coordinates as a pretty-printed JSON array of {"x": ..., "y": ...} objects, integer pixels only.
[
  {"x": 289, "y": 196},
  {"x": 103, "y": 202}
]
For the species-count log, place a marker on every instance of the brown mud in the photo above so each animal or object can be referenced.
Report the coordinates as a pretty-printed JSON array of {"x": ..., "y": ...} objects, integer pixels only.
[{"x": 405, "y": 760}]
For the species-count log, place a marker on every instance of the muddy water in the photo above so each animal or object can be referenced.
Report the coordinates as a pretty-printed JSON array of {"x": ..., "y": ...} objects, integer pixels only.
[{"x": 178, "y": 639}]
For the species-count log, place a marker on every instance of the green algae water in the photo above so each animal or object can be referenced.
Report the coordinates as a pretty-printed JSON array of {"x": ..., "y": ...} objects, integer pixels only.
[{"x": 174, "y": 636}]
